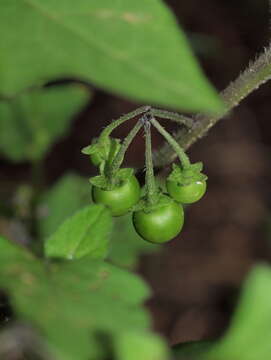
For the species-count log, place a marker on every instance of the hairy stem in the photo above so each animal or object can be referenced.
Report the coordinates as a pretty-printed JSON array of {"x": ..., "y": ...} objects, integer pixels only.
[
  {"x": 173, "y": 143},
  {"x": 150, "y": 179},
  {"x": 107, "y": 131},
  {"x": 257, "y": 73},
  {"x": 178, "y": 118},
  {"x": 113, "y": 169}
]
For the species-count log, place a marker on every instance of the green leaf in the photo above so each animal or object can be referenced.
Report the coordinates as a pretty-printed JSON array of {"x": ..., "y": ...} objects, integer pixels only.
[
  {"x": 103, "y": 182},
  {"x": 69, "y": 194},
  {"x": 249, "y": 335},
  {"x": 133, "y": 48},
  {"x": 124, "y": 174},
  {"x": 71, "y": 303},
  {"x": 188, "y": 175},
  {"x": 99, "y": 181},
  {"x": 91, "y": 149},
  {"x": 133, "y": 346},
  {"x": 31, "y": 122},
  {"x": 126, "y": 244},
  {"x": 73, "y": 192},
  {"x": 85, "y": 233},
  {"x": 191, "y": 350}
]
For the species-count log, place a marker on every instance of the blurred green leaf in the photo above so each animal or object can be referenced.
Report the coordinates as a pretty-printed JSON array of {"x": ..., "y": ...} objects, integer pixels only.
[
  {"x": 77, "y": 304},
  {"x": 191, "y": 350},
  {"x": 126, "y": 244},
  {"x": 85, "y": 233},
  {"x": 134, "y": 48},
  {"x": 249, "y": 336},
  {"x": 31, "y": 122},
  {"x": 69, "y": 194},
  {"x": 135, "y": 346}
]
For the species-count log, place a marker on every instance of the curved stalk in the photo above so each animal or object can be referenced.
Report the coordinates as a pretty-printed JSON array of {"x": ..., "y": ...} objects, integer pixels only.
[
  {"x": 184, "y": 159},
  {"x": 257, "y": 73},
  {"x": 178, "y": 118},
  {"x": 114, "y": 124},
  {"x": 114, "y": 167},
  {"x": 149, "y": 179}
]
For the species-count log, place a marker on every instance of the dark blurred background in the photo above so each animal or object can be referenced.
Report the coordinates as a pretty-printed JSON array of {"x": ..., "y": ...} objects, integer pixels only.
[{"x": 197, "y": 277}]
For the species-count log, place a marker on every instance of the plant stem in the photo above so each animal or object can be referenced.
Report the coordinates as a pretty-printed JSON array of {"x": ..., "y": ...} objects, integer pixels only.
[
  {"x": 255, "y": 75},
  {"x": 114, "y": 167},
  {"x": 178, "y": 118},
  {"x": 184, "y": 159},
  {"x": 149, "y": 179},
  {"x": 114, "y": 124}
]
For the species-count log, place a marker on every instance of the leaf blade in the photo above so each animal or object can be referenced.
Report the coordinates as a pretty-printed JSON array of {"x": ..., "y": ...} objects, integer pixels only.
[
  {"x": 31, "y": 122},
  {"x": 69, "y": 194},
  {"x": 85, "y": 233},
  {"x": 248, "y": 337},
  {"x": 150, "y": 55},
  {"x": 69, "y": 302}
]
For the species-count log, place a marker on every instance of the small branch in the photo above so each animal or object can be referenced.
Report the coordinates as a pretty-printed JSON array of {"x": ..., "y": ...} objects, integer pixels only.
[
  {"x": 114, "y": 167},
  {"x": 150, "y": 179},
  {"x": 178, "y": 118},
  {"x": 184, "y": 159},
  {"x": 114, "y": 124},
  {"x": 257, "y": 73}
]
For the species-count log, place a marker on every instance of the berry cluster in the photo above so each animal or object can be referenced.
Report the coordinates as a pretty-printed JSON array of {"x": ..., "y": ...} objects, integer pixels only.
[{"x": 157, "y": 216}]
